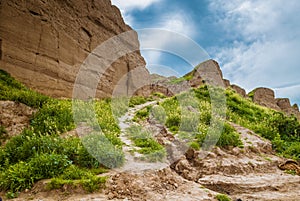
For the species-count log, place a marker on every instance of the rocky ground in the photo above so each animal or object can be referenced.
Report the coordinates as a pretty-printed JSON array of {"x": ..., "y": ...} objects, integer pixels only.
[{"x": 248, "y": 173}]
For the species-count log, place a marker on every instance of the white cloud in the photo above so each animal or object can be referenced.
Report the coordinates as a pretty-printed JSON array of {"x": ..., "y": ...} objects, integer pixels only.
[
  {"x": 267, "y": 49},
  {"x": 179, "y": 22},
  {"x": 176, "y": 29},
  {"x": 128, "y": 5}
]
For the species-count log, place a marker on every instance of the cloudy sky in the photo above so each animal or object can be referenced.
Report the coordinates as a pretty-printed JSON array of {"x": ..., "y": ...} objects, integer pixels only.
[{"x": 256, "y": 42}]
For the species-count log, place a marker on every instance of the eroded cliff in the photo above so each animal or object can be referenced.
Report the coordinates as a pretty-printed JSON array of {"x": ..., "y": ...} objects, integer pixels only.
[{"x": 43, "y": 43}]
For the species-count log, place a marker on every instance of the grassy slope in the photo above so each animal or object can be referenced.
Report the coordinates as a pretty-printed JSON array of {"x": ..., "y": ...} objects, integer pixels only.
[{"x": 39, "y": 152}]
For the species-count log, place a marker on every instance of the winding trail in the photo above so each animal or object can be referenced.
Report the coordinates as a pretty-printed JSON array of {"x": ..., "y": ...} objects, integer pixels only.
[{"x": 133, "y": 162}]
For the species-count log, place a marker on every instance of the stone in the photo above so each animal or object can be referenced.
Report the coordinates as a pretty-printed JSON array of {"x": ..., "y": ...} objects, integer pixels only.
[
  {"x": 44, "y": 43},
  {"x": 265, "y": 97},
  {"x": 226, "y": 83},
  {"x": 285, "y": 106},
  {"x": 239, "y": 90}
]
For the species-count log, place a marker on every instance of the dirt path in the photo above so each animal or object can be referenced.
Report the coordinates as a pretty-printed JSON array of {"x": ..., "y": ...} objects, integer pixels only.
[{"x": 132, "y": 162}]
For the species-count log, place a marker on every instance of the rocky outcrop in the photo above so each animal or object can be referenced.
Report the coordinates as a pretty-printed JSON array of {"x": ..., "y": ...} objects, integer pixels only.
[
  {"x": 208, "y": 72},
  {"x": 239, "y": 90},
  {"x": 43, "y": 43},
  {"x": 265, "y": 97},
  {"x": 285, "y": 106}
]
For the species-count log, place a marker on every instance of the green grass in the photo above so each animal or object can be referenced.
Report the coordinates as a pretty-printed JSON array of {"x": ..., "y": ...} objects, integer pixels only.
[
  {"x": 12, "y": 90},
  {"x": 40, "y": 153},
  {"x": 222, "y": 197},
  {"x": 282, "y": 130},
  {"x": 190, "y": 116},
  {"x": 152, "y": 150}
]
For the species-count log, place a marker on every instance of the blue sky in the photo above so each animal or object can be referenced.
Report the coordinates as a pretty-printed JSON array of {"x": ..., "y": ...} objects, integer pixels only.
[{"x": 256, "y": 42}]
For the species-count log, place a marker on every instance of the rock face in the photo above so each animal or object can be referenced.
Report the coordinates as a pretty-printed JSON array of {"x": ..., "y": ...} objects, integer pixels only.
[
  {"x": 285, "y": 106},
  {"x": 208, "y": 72},
  {"x": 43, "y": 43},
  {"x": 239, "y": 90},
  {"x": 265, "y": 97}
]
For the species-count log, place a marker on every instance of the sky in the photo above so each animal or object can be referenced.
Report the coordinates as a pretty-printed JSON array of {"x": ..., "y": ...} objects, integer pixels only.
[{"x": 256, "y": 42}]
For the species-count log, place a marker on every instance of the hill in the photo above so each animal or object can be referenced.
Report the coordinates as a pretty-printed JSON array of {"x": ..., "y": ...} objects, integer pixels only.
[{"x": 165, "y": 160}]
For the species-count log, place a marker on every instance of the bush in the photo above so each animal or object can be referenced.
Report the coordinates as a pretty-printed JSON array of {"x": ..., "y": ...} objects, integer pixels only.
[
  {"x": 17, "y": 177},
  {"x": 137, "y": 100},
  {"x": 103, "y": 150},
  {"x": 48, "y": 165},
  {"x": 158, "y": 114},
  {"x": 54, "y": 117},
  {"x": 222, "y": 197},
  {"x": 142, "y": 114},
  {"x": 229, "y": 137}
]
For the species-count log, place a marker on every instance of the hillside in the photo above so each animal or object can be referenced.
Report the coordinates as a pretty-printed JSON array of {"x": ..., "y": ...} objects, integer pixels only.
[{"x": 155, "y": 142}]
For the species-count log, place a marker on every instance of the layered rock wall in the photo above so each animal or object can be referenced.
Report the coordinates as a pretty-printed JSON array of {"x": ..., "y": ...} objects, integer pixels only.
[{"x": 43, "y": 43}]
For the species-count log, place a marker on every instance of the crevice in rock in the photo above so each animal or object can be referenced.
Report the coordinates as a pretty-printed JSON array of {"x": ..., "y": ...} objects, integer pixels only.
[
  {"x": 100, "y": 24},
  {"x": 34, "y": 13}
]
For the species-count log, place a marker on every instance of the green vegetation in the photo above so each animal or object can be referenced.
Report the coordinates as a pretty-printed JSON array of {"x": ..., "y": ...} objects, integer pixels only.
[
  {"x": 74, "y": 176},
  {"x": 282, "y": 130},
  {"x": 39, "y": 152},
  {"x": 137, "y": 100},
  {"x": 3, "y": 133},
  {"x": 152, "y": 150},
  {"x": 158, "y": 113},
  {"x": 142, "y": 114},
  {"x": 181, "y": 79},
  {"x": 191, "y": 118},
  {"x": 222, "y": 197},
  {"x": 12, "y": 90}
]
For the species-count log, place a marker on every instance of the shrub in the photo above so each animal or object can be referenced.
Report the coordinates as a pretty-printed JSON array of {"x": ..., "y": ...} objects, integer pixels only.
[
  {"x": 137, "y": 100},
  {"x": 48, "y": 165},
  {"x": 2, "y": 131},
  {"x": 222, "y": 197},
  {"x": 10, "y": 89},
  {"x": 229, "y": 137},
  {"x": 54, "y": 117},
  {"x": 103, "y": 150},
  {"x": 141, "y": 114},
  {"x": 17, "y": 177},
  {"x": 158, "y": 113}
]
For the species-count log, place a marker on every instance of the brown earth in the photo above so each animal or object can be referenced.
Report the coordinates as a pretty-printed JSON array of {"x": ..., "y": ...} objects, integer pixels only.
[
  {"x": 14, "y": 117},
  {"x": 43, "y": 43}
]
